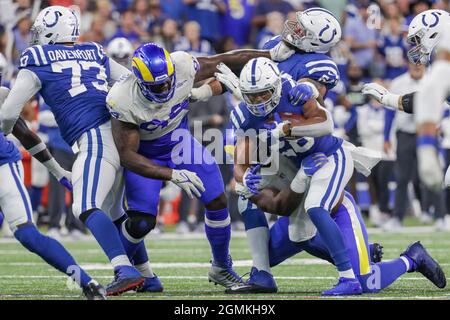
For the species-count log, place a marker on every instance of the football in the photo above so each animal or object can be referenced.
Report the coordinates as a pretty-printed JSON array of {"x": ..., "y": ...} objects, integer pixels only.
[{"x": 295, "y": 118}]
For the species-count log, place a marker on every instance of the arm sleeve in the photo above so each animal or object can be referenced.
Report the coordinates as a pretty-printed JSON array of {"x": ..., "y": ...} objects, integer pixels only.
[
  {"x": 116, "y": 71},
  {"x": 429, "y": 101},
  {"x": 389, "y": 116},
  {"x": 315, "y": 130},
  {"x": 26, "y": 86}
]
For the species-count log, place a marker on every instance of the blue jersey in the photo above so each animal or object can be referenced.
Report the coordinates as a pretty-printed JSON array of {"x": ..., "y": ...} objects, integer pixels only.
[
  {"x": 296, "y": 150},
  {"x": 73, "y": 83},
  {"x": 315, "y": 66},
  {"x": 8, "y": 151}
]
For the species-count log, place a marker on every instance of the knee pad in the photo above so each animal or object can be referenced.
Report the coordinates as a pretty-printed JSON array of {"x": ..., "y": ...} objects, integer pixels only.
[
  {"x": 29, "y": 236},
  {"x": 139, "y": 224}
]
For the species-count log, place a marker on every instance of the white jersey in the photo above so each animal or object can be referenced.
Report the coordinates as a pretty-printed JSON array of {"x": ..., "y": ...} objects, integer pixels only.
[{"x": 127, "y": 103}]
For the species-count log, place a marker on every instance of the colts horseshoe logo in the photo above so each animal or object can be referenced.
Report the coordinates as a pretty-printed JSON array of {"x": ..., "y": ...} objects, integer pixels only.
[
  {"x": 436, "y": 20},
  {"x": 334, "y": 33},
  {"x": 57, "y": 15}
]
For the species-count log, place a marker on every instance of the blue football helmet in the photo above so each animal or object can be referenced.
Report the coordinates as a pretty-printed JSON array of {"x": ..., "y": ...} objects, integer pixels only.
[{"x": 155, "y": 72}]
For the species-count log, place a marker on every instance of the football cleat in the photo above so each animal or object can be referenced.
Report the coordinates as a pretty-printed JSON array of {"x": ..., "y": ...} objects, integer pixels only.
[
  {"x": 425, "y": 264},
  {"x": 345, "y": 287},
  {"x": 151, "y": 285},
  {"x": 260, "y": 281},
  {"x": 376, "y": 252},
  {"x": 94, "y": 291},
  {"x": 126, "y": 278},
  {"x": 224, "y": 274}
]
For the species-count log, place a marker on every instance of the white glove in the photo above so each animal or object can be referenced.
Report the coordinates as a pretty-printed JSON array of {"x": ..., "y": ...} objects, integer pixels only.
[
  {"x": 188, "y": 181},
  {"x": 430, "y": 171},
  {"x": 300, "y": 182},
  {"x": 4, "y": 91},
  {"x": 381, "y": 94},
  {"x": 281, "y": 52},
  {"x": 243, "y": 191},
  {"x": 201, "y": 93},
  {"x": 229, "y": 79}
]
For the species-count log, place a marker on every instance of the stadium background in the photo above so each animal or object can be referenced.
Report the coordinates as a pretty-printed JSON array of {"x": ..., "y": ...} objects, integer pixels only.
[{"x": 373, "y": 48}]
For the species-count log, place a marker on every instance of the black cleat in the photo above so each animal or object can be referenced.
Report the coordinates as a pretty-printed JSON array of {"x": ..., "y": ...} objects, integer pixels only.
[
  {"x": 94, "y": 291},
  {"x": 376, "y": 252},
  {"x": 425, "y": 264}
]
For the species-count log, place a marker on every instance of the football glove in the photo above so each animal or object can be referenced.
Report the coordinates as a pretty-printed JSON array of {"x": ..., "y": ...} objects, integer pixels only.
[{"x": 188, "y": 181}]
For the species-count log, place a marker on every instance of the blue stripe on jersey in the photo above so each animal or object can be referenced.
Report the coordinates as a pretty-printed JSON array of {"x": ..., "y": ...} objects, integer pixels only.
[
  {"x": 341, "y": 176},
  {"x": 253, "y": 72},
  {"x": 87, "y": 164},
  {"x": 330, "y": 186},
  {"x": 13, "y": 167},
  {"x": 98, "y": 161}
]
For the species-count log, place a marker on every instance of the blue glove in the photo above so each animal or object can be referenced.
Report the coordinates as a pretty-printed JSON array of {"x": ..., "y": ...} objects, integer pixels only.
[
  {"x": 66, "y": 183},
  {"x": 314, "y": 162},
  {"x": 301, "y": 93},
  {"x": 252, "y": 179}
]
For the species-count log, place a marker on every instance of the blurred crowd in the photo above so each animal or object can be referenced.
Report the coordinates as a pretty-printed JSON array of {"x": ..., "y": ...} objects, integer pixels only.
[{"x": 373, "y": 48}]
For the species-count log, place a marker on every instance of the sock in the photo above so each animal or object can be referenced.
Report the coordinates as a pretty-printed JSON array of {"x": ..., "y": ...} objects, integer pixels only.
[
  {"x": 347, "y": 274},
  {"x": 331, "y": 235},
  {"x": 140, "y": 256},
  {"x": 409, "y": 263},
  {"x": 129, "y": 243},
  {"x": 218, "y": 232},
  {"x": 258, "y": 237},
  {"x": 52, "y": 252},
  {"x": 384, "y": 274},
  {"x": 35, "y": 197},
  {"x": 107, "y": 236},
  {"x": 258, "y": 240},
  {"x": 145, "y": 269}
]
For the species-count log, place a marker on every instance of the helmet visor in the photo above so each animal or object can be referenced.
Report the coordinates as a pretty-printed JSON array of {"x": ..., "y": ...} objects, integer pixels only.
[
  {"x": 158, "y": 92},
  {"x": 293, "y": 32},
  {"x": 260, "y": 102}
]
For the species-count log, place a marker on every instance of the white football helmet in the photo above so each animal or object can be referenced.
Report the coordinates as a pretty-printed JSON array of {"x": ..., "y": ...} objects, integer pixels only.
[
  {"x": 121, "y": 50},
  {"x": 315, "y": 30},
  {"x": 424, "y": 33},
  {"x": 260, "y": 85},
  {"x": 55, "y": 24}
]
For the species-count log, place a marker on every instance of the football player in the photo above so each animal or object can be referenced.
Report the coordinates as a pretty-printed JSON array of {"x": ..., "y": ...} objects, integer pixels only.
[
  {"x": 150, "y": 107},
  {"x": 293, "y": 233},
  {"x": 16, "y": 205},
  {"x": 73, "y": 80},
  {"x": 425, "y": 34},
  {"x": 313, "y": 33},
  {"x": 265, "y": 93}
]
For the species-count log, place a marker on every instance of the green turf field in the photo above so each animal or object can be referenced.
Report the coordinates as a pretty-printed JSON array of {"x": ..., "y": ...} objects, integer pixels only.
[{"x": 182, "y": 264}]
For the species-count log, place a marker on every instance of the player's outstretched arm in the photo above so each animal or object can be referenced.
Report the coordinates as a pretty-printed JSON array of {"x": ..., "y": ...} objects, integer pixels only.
[
  {"x": 34, "y": 145},
  {"x": 236, "y": 59},
  {"x": 26, "y": 86}
]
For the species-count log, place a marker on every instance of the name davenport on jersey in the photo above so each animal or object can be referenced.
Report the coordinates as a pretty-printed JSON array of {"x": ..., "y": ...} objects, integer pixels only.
[{"x": 127, "y": 104}]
